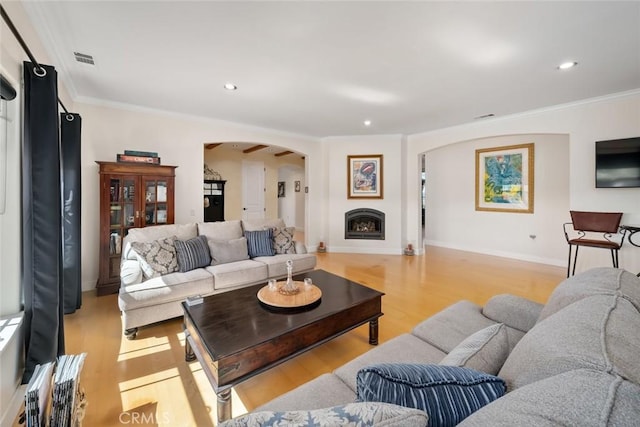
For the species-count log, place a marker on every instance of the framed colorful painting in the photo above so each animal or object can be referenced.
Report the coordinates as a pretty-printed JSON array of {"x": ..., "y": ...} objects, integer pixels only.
[
  {"x": 505, "y": 179},
  {"x": 364, "y": 177}
]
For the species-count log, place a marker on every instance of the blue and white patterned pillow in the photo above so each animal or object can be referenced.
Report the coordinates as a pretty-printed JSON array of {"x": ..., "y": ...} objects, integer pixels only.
[
  {"x": 192, "y": 253},
  {"x": 260, "y": 243},
  {"x": 448, "y": 394},
  {"x": 352, "y": 414}
]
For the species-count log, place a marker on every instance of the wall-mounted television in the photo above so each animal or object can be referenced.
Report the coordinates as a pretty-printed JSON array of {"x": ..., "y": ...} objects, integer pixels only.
[{"x": 618, "y": 163}]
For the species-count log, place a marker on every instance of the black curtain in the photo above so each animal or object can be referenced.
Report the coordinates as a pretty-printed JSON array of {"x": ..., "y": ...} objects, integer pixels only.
[
  {"x": 41, "y": 219},
  {"x": 70, "y": 127}
]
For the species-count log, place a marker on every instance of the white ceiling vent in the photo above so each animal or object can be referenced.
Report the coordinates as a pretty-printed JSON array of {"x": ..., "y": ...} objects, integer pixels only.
[{"x": 84, "y": 58}]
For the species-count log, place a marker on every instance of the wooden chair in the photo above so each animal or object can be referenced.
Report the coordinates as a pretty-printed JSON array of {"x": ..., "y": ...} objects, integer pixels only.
[{"x": 595, "y": 230}]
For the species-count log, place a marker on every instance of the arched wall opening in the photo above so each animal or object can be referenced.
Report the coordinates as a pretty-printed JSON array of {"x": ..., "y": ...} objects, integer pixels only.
[
  {"x": 452, "y": 221},
  {"x": 280, "y": 163}
]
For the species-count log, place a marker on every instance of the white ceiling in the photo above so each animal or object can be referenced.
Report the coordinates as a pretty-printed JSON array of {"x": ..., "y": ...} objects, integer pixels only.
[{"x": 321, "y": 68}]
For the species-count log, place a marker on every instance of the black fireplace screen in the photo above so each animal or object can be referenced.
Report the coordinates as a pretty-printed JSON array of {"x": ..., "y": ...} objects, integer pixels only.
[{"x": 364, "y": 224}]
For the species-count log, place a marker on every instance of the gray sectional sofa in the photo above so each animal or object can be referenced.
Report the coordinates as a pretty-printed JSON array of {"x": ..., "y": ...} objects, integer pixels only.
[
  {"x": 574, "y": 361},
  {"x": 144, "y": 300}
]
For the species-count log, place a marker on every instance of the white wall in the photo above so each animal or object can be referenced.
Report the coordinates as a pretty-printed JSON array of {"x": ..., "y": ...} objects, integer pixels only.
[
  {"x": 451, "y": 218},
  {"x": 291, "y": 207},
  {"x": 179, "y": 141},
  {"x": 337, "y": 149},
  {"x": 615, "y": 116}
]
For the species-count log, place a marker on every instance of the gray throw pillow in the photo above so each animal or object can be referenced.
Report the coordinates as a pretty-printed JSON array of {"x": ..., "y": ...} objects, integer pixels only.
[
  {"x": 351, "y": 414},
  {"x": 192, "y": 253},
  {"x": 485, "y": 351},
  {"x": 158, "y": 257},
  {"x": 223, "y": 252}
]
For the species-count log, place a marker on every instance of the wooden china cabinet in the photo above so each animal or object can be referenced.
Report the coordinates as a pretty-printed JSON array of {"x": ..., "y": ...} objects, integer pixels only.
[{"x": 132, "y": 195}]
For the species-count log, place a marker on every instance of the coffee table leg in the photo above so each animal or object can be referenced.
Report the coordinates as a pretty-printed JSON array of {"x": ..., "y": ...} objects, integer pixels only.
[
  {"x": 189, "y": 355},
  {"x": 224, "y": 405},
  {"x": 373, "y": 332}
]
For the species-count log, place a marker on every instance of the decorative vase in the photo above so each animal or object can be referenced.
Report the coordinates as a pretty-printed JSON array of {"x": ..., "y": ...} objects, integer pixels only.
[{"x": 290, "y": 287}]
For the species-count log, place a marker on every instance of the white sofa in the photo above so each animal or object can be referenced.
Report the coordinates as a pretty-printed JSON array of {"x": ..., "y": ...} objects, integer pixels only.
[{"x": 143, "y": 300}]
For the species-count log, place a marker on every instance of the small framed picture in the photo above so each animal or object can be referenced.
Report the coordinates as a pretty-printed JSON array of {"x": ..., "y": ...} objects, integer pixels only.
[
  {"x": 297, "y": 186},
  {"x": 281, "y": 189}
]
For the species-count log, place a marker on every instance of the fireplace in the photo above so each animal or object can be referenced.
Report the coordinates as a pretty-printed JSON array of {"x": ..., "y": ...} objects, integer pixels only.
[{"x": 364, "y": 224}]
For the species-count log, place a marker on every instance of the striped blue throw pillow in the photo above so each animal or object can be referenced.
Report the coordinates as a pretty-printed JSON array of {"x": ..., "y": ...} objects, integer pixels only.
[
  {"x": 192, "y": 253},
  {"x": 260, "y": 243},
  {"x": 448, "y": 394}
]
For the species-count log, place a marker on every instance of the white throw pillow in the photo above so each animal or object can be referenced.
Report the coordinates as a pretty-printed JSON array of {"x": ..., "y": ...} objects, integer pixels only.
[{"x": 485, "y": 350}]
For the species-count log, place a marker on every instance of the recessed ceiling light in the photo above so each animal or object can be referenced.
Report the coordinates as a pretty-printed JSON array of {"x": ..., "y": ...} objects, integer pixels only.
[
  {"x": 230, "y": 86},
  {"x": 367, "y": 122},
  {"x": 567, "y": 65},
  {"x": 484, "y": 116}
]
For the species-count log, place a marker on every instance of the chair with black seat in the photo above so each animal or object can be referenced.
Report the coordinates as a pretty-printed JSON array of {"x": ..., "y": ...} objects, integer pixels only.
[{"x": 595, "y": 230}]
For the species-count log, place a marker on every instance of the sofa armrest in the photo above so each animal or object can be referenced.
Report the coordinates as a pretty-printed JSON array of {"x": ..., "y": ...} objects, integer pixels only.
[
  {"x": 300, "y": 247},
  {"x": 516, "y": 312},
  {"x": 127, "y": 250},
  {"x": 130, "y": 272}
]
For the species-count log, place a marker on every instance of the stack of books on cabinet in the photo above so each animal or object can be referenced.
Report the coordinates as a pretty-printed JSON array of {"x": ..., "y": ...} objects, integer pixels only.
[
  {"x": 53, "y": 397},
  {"x": 134, "y": 156}
]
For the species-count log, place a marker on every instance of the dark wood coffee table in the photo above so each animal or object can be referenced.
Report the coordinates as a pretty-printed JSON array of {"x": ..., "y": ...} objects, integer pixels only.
[{"x": 234, "y": 336}]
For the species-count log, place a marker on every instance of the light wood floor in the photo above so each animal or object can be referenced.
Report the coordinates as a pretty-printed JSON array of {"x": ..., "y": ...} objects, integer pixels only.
[{"x": 147, "y": 381}]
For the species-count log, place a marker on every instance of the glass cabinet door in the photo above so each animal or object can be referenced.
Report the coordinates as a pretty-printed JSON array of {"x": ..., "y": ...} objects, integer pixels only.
[
  {"x": 121, "y": 216},
  {"x": 155, "y": 204},
  {"x": 129, "y": 197}
]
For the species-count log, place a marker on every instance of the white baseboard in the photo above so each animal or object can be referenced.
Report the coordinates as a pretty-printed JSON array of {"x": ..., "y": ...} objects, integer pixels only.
[{"x": 512, "y": 255}]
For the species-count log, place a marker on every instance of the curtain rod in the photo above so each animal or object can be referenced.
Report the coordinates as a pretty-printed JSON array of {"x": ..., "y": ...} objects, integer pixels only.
[{"x": 18, "y": 37}]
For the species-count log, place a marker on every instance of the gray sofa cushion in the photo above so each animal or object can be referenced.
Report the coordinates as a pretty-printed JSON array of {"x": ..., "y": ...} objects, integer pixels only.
[
  {"x": 277, "y": 264},
  {"x": 221, "y": 230},
  {"x": 405, "y": 348},
  {"x": 321, "y": 392},
  {"x": 596, "y": 281},
  {"x": 514, "y": 311},
  {"x": 598, "y": 332},
  {"x": 351, "y": 414},
  {"x": 237, "y": 273},
  {"x": 449, "y": 327},
  {"x": 148, "y": 234},
  {"x": 485, "y": 351},
  {"x": 223, "y": 252},
  {"x": 170, "y": 287},
  {"x": 261, "y": 224},
  {"x": 578, "y": 398}
]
